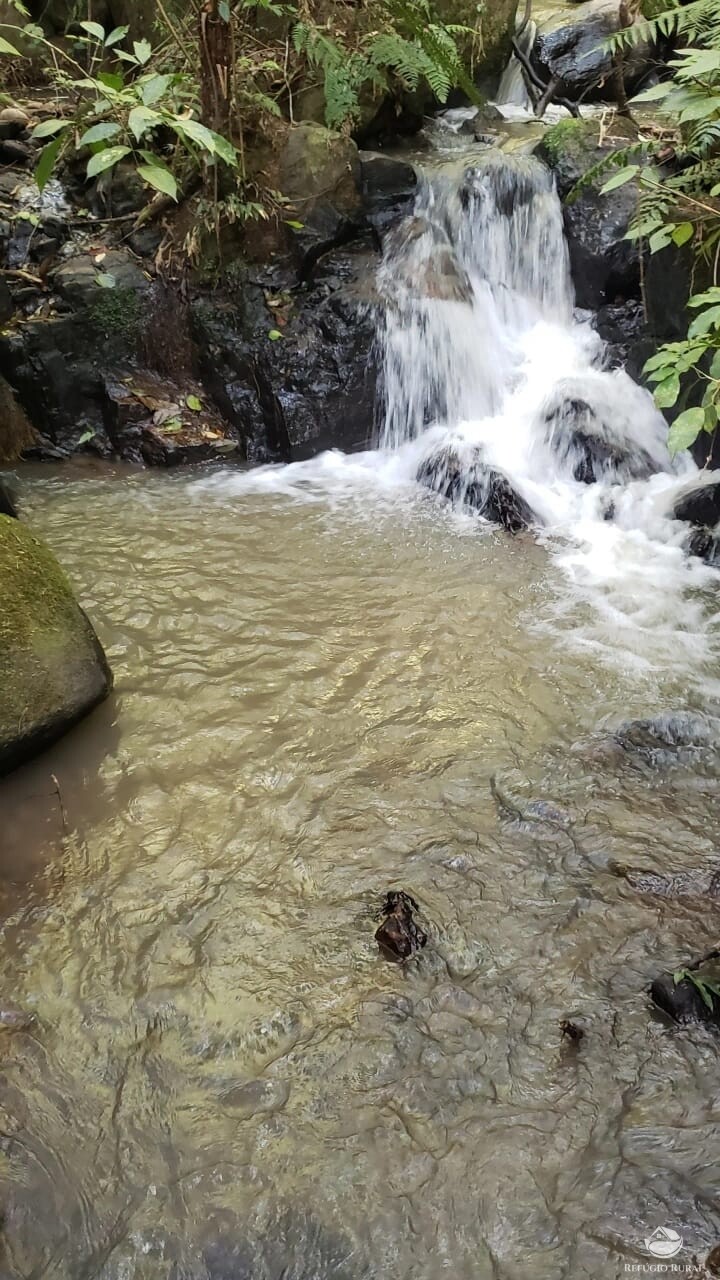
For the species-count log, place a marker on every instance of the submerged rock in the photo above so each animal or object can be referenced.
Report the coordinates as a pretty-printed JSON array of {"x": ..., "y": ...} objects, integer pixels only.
[
  {"x": 399, "y": 937},
  {"x": 470, "y": 482},
  {"x": 690, "y": 994},
  {"x": 590, "y": 448},
  {"x": 52, "y": 667},
  {"x": 699, "y": 506},
  {"x": 669, "y": 739},
  {"x": 686, "y": 884}
]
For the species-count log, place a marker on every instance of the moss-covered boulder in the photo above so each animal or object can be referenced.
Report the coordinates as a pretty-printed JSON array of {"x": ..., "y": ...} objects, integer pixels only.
[
  {"x": 494, "y": 24},
  {"x": 317, "y": 167},
  {"x": 52, "y": 666}
]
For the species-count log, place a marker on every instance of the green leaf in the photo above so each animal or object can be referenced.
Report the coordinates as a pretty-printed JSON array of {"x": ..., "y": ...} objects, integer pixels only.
[
  {"x": 620, "y": 178},
  {"x": 654, "y": 94},
  {"x": 116, "y": 35},
  {"x": 94, "y": 29},
  {"x": 667, "y": 391},
  {"x": 274, "y": 334},
  {"x": 143, "y": 51},
  {"x": 224, "y": 149},
  {"x": 105, "y": 159},
  {"x": 661, "y": 239},
  {"x": 86, "y": 436},
  {"x": 105, "y": 280},
  {"x": 155, "y": 88},
  {"x": 99, "y": 133},
  {"x": 195, "y": 131},
  {"x": 685, "y": 430},
  {"x": 159, "y": 178},
  {"x": 683, "y": 232},
  {"x": 46, "y": 163},
  {"x": 111, "y": 80},
  {"x": 715, "y": 366},
  {"x": 710, "y": 298},
  {"x": 141, "y": 119},
  {"x": 296, "y": 226},
  {"x": 193, "y": 403},
  {"x": 48, "y": 128},
  {"x": 127, "y": 57},
  {"x": 224, "y": 10},
  {"x": 7, "y": 47},
  {"x": 702, "y": 324},
  {"x": 171, "y": 426}
]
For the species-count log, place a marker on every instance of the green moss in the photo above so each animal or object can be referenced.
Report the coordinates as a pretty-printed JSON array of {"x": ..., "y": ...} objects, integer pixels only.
[
  {"x": 52, "y": 668},
  {"x": 116, "y": 313},
  {"x": 568, "y": 136}
]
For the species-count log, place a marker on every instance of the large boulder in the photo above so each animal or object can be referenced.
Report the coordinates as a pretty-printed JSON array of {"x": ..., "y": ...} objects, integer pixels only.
[
  {"x": 605, "y": 265},
  {"x": 593, "y": 441},
  {"x": 52, "y": 666},
  {"x": 570, "y": 47},
  {"x": 294, "y": 370},
  {"x": 699, "y": 506}
]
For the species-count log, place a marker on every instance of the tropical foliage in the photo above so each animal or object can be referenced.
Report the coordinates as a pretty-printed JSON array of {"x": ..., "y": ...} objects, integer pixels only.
[{"x": 679, "y": 201}]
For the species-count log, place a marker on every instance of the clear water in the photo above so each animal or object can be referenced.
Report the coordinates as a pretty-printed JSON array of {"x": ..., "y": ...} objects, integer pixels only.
[{"x": 330, "y": 685}]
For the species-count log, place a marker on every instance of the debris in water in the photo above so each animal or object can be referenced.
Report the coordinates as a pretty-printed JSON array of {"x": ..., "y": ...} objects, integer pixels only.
[
  {"x": 571, "y": 1031},
  {"x": 691, "y": 994},
  {"x": 399, "y": 937}
]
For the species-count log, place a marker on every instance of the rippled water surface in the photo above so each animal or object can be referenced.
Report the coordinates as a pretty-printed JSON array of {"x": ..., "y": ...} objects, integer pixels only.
[{"x": 318, "y": 700}]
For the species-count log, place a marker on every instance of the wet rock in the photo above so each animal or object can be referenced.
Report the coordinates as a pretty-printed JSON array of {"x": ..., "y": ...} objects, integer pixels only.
[
  {"x": 14, "y": 151},
  {"x": 13, "y": 122},
  {"x": 592, "y": 449},
  {"x": 7, "y": 303},
  {"x": 7, "y": 506},
  {"x": 424, "y": 263},
  {"x": 12, "y": 1019},
  {"x": 515, "y": 801},
  {"x": 399, "y": 937},
  {"x": 670, "y": 740},
  {"x": 699, "y": 506},
  {"x": 712, "y": 1261},
  {"x": 82, "y": 280},
  {"x": 467, "y": 481},
  {"x": 605, "y": 264},
  {"x": 388, "y": 188},
  {"x": 313, "y": 388},
  {"x": 52, "y": 667},
  {"x": 690, "y": 994},
  {"x": 504, "y": 184},
  {"x": 571, "y": 48}
]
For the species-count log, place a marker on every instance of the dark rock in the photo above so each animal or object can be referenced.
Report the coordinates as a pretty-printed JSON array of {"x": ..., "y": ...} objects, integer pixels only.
[
  {"x": 13, "y": 122},
  {"x": 468, "y": 481},
  {"x": 80, "y": 280},
  {"x": 7, "y": 302},
  {"x": 313, "y": 388},
  {"x": 7, "y": 506},
  {"x": 503, "y": 183},
  {"x": 571, "y": 1031},
  {"x": 590, "y": 449},
  {"x": 691, "y": 994},
  {"x": 399, "y": 937},
  {"x": 424, "y": 263},
  {"x": 712, "y": 1261},
  {"x": 605, "y": 265},
  {"x": 13, "y": 151},
  {"x": 388, "y": 188},
  {"x": 574, "y": 52},
  {"x": 699, "y": 506}
]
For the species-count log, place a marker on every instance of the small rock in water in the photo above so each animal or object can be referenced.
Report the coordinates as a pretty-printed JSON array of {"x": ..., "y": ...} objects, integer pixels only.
[
  {"x": 571, "y": 1031},
  {"x": 16, "y": 1019},
  {"x": 7, "y": 506},
  {"x": 691, "y": 994},
  {"x": 399, "y": 937}
]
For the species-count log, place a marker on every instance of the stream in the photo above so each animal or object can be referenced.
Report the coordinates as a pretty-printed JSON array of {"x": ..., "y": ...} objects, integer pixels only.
[{"x": 329, "y": 683}]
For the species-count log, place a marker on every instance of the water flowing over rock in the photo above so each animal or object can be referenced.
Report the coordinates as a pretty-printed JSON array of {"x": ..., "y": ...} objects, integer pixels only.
[{"x": 52, "y": 668}]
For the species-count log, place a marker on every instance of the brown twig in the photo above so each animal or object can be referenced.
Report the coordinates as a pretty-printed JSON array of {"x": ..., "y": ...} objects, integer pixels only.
[{"x": 63, "y": 814}]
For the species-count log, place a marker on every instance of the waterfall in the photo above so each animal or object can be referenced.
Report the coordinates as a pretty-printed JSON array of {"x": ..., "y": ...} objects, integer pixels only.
[{"x": 512, "y": 91}]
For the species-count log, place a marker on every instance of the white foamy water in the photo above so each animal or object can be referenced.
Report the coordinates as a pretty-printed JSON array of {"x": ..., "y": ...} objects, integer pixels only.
[{"x": 488, "y": 372}]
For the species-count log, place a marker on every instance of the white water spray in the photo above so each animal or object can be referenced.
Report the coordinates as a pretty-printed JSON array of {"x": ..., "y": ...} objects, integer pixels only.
[{"x": 498, "y": 396}]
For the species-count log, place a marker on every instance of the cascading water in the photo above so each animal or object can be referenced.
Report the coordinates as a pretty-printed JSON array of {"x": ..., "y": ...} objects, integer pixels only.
[{"x": 500, "y": 398}]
